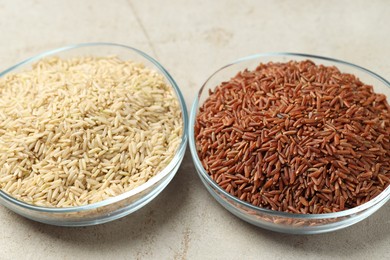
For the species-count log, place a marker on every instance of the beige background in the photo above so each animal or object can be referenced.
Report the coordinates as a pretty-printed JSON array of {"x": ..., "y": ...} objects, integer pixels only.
[{"x": 192, "y": 39}]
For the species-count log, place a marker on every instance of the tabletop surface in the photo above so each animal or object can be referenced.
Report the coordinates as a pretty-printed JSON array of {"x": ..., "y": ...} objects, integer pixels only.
[{"x": 192, "y": 39}]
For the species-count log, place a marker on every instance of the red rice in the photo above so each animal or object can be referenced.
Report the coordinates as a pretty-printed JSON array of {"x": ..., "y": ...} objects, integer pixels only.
[{"x": 296, "y": 137}]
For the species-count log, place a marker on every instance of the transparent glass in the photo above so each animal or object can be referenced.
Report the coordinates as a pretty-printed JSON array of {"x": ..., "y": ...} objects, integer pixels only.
[
  {"x": 126, "y": 203},
  {"x": 275, "y": 220}
]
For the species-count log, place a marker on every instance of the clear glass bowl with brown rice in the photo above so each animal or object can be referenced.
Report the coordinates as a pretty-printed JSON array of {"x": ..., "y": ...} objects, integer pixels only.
[
  {"x": 90, "y": 133},
  {"x": 298, "y": 200}
]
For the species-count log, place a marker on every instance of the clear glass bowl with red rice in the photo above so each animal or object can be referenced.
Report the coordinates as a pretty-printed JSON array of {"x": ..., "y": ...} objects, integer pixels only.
[{"x": 288, "y": 200}]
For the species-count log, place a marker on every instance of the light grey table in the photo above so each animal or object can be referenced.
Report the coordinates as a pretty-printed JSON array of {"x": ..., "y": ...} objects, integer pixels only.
[{"x": 192, "y": 39}]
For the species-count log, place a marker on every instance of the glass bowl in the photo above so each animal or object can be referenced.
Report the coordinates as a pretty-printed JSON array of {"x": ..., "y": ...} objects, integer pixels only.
[
  {"x": 126, "y": 203},
  {"x": 276, "y": 220}
]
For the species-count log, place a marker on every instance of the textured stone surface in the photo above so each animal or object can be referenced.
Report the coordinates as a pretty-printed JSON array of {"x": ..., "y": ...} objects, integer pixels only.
[{"x": 192, "y": 39}]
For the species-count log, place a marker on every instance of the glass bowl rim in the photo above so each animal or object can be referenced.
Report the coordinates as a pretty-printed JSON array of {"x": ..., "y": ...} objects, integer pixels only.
[
  {"x": 155, "y": 179},
  {"x": 384, "y": 195}
]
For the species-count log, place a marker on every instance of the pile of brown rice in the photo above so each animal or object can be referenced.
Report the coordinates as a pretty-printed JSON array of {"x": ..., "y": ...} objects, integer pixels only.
[
  {"x": 81, "y": 130},
  {"x": 296, "y": 137}
]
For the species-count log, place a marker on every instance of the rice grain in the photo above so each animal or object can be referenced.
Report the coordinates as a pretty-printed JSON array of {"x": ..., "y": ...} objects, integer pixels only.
[
  {"x": 78, "y": 131},
  {"x": 296, "y": 137}
]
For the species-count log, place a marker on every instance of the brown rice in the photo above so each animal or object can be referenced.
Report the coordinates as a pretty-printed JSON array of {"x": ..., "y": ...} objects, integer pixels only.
[{"x": 81, "y": 130}]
